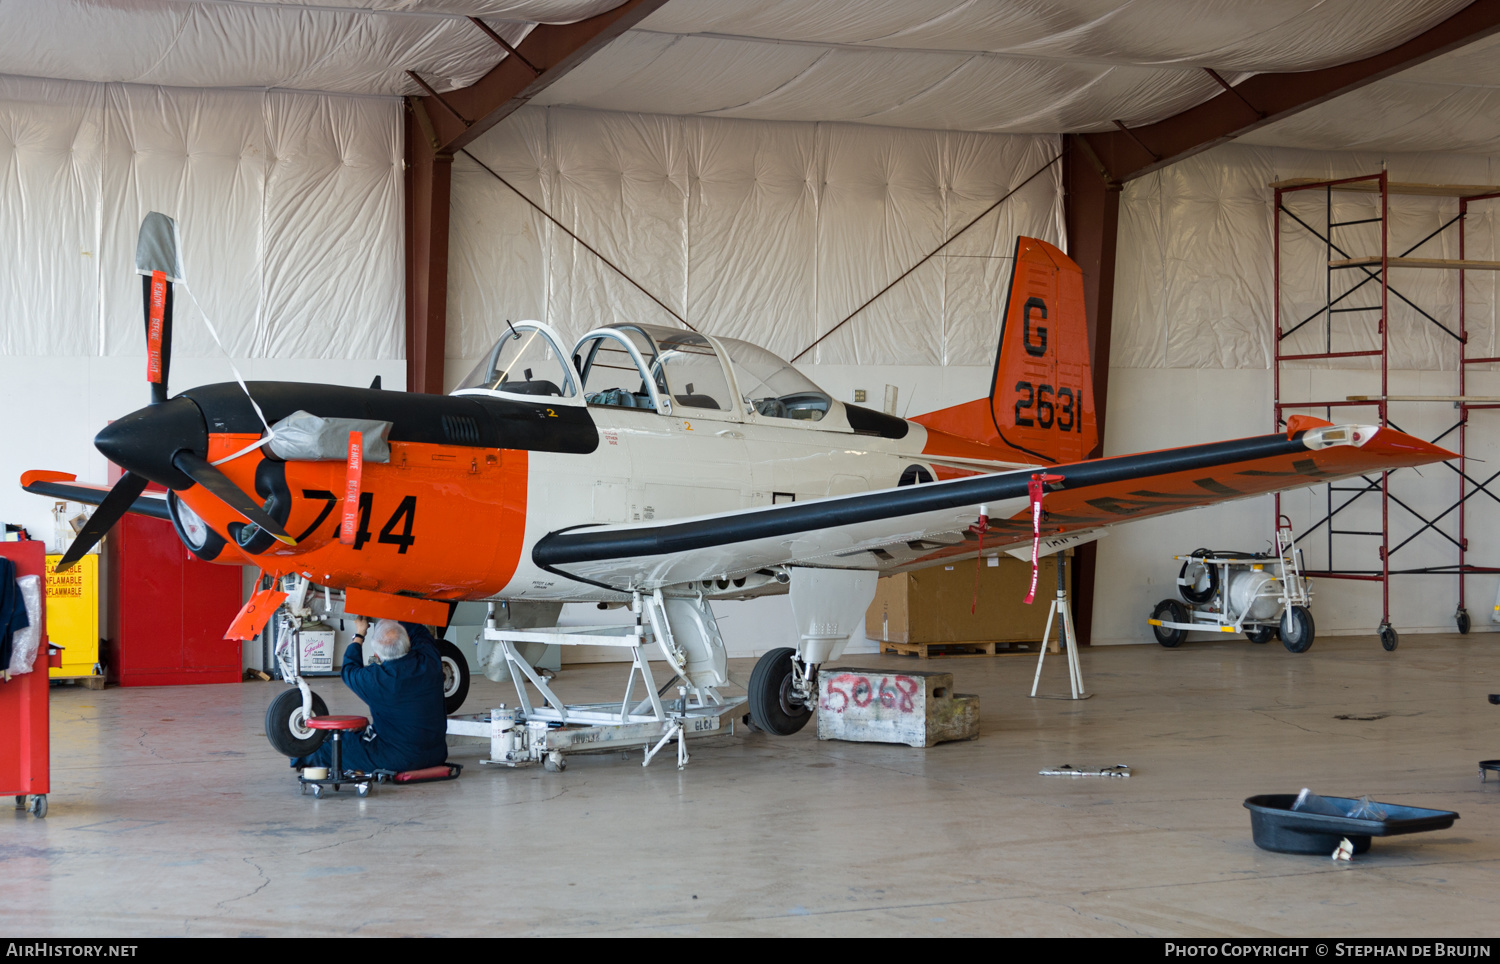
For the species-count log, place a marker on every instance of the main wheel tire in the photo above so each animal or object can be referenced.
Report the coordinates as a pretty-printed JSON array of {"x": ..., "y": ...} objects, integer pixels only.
[
  {"x": 1462, "y": 619},
  {"x": 772, "y": 707},
  {"x": 455, "y": 676},
  {"x": 1389, "y": 638},
  {"x": 1261, "y": 634},
  {"x": 1297, "y": 629},
  {"x": 286, "y": 728},
  {"x": 1170, "y": 611}
]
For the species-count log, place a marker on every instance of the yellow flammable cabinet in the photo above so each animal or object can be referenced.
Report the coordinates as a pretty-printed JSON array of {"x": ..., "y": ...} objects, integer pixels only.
[{"x": 73, "y": 618}]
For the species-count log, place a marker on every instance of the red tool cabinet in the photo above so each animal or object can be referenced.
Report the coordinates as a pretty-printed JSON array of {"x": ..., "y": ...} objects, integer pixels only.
[
  {"x": 24, "y": 763},
  {"x": 168, "y": 610}
]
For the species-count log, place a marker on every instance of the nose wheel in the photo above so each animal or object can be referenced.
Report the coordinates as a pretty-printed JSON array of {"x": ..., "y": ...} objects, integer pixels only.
[{"x": 286, "y": 725}]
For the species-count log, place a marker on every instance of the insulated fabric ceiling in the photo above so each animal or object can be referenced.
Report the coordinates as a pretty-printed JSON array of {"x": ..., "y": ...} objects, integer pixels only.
[
  {"x": 335, "y": 46},
  {"x": 1023, "y": 66},
  {"x": 1450, "y": 103}
]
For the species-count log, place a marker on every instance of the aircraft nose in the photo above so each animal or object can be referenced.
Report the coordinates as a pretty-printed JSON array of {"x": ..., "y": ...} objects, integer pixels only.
[{"x": 145, "y": 441}]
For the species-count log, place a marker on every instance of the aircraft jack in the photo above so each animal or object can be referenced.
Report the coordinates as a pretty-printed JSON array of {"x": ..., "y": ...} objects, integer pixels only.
[
  {"x": 1063, "y": 614},
  {"x": 549, "y": 732}
]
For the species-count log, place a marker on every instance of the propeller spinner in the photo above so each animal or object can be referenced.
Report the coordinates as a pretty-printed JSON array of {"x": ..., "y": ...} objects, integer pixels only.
[{"x": 167, "y": 441}]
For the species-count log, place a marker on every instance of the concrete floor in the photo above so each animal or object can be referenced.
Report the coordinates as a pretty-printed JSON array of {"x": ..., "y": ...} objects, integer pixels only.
[{"x": 170, "y": 815}]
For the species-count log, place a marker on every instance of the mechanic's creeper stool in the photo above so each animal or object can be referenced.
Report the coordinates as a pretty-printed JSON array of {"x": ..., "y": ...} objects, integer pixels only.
[{"x": 337, "y": 726}]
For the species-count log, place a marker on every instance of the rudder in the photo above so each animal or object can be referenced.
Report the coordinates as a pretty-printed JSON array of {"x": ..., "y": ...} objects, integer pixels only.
[{"x": 1041, "y": 400}]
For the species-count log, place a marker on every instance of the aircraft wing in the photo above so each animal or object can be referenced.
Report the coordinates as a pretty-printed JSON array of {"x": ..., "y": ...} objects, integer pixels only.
[
  {"x": 917, "y": 525},
  {"x": 62, "y": 485}
]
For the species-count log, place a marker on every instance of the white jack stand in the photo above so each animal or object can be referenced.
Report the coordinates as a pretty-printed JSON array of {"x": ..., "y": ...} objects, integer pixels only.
[
  {"x": 1064, "y": 618},
  {"x": 549, "y": 730}
]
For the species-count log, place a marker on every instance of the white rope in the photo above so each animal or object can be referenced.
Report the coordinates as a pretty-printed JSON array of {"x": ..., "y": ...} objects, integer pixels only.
[{"x": 270, "y": 432}]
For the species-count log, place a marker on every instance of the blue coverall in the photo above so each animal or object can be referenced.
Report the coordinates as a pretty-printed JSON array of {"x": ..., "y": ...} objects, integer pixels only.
[{"x": 405, "y": 697}]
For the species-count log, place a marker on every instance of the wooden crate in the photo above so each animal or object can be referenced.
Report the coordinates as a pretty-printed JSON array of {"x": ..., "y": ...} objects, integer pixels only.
[
  {"x": 925, "y": 613},
  {"x": 933, "y": 650}
]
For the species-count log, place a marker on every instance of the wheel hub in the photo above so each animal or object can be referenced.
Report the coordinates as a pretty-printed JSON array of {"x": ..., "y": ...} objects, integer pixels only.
[
  {"x": 297, "y": 724},
  {"x": 791, "y": 701}
]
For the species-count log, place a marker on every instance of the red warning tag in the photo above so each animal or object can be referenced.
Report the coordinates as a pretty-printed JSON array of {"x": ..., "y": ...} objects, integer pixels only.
[
  {"x": 351, "y": 488},
  {"x": 154, "y": 322},
  {"x": 1037, "y": 490}
]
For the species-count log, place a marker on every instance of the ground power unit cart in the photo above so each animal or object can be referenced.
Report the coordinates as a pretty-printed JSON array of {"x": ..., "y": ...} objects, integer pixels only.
[{"x": 1260, "y": 594}]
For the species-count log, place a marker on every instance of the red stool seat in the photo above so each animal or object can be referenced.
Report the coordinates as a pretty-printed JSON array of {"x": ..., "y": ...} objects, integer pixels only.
[{"x": 338, "y": 723}]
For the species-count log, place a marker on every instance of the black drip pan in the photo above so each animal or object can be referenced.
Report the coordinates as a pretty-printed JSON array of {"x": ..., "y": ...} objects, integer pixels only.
[{"x": 1276, "y": 826}]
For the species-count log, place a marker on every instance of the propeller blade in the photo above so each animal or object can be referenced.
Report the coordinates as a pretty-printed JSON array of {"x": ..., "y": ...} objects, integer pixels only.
[
  {"x": 158, "y": 259},
  {"x": 206, "y": 474},
  {"x": 118, "y": 502},
  {"x": 157, "y": 291}
]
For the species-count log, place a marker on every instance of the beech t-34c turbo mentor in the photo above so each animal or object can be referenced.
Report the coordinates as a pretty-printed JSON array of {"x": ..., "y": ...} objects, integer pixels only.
[{"x": 657, "y": 467}]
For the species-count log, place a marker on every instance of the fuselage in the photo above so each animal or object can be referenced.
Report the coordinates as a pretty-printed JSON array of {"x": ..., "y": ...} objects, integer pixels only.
[
  {"x": 638, "y": 424},
  {"x": 457, "y": 521}
]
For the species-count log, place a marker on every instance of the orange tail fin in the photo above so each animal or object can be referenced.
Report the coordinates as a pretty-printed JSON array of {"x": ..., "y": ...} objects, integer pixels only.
[{"x": 1041, "y": 400}]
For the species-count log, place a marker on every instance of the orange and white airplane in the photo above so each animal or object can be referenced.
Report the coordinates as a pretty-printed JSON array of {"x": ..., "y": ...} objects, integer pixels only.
[{"x": 647, "y": 460}]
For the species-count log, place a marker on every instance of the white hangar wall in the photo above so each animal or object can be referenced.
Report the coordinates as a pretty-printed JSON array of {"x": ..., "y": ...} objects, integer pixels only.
[
  {"x": 290, "y": 210},
  {"x": 1192, "y": 353}
]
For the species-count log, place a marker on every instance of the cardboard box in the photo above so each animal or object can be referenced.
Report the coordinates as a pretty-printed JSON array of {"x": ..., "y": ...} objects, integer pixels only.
[{"x": 932, "y": 605}]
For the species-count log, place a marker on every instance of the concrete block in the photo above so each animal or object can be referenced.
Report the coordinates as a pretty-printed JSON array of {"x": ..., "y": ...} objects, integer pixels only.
[{"x": 886, "y": 706}]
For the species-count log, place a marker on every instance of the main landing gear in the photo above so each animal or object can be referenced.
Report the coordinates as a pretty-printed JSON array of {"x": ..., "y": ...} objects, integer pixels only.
[
  {"x": 455, "y": 676},
  {"x": 829, "y": 605},
  {"x": 783, "y": 692}
]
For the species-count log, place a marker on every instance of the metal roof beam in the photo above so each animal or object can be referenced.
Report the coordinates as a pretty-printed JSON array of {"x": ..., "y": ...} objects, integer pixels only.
[
  {"x": 1266, "y": 98},
  {"x": 457, "y": 117}
]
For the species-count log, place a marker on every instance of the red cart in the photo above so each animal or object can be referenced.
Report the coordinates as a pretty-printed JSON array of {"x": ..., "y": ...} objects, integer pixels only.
[{"x": 25, "y": 769}]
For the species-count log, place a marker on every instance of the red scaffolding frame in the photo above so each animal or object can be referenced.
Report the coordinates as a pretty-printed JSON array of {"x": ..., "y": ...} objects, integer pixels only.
[{"x": 1377, "y": 270}]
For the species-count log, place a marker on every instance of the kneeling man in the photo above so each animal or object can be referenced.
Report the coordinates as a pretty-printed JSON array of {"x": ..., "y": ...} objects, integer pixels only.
[{"x": 401, "y": 680}]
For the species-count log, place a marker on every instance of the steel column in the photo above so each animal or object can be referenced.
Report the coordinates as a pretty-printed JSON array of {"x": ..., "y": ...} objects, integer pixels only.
[
  {"x": 1091, "y": 211},
  {"x": 428, "y": 183}
]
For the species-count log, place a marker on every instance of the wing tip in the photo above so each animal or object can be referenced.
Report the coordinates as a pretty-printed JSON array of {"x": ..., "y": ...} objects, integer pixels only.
[
  {"x": 33, "y": 476},
  {"x": 1418, "y": 451}
]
